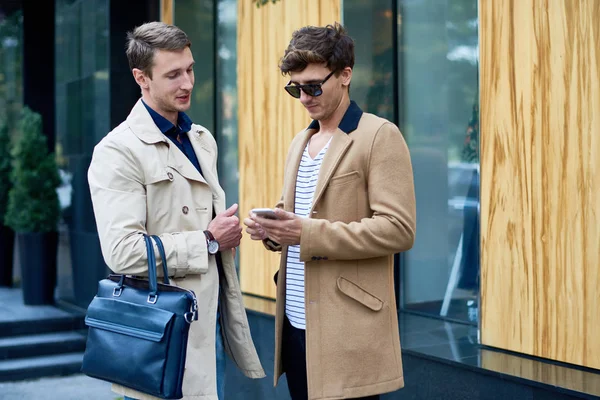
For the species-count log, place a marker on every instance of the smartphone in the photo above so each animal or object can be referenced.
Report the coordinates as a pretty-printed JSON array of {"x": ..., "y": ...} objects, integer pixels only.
[{"x": 265, "y": 213}]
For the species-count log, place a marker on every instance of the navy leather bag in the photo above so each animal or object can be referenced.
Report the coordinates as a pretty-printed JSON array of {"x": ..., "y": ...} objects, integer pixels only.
[{"x": 138, "y": 331}]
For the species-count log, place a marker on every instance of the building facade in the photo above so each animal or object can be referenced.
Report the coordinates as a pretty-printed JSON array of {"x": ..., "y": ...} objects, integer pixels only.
[{"x": 498, "y": 102}]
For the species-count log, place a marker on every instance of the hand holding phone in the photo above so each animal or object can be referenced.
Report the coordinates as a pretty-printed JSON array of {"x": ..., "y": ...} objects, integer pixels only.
[{"x": 264, "y": 213}]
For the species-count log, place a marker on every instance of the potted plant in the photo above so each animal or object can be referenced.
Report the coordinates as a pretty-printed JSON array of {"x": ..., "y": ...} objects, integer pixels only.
[
  {"x": 33, "y": 210},
  {"x": 7, "y": 235}
]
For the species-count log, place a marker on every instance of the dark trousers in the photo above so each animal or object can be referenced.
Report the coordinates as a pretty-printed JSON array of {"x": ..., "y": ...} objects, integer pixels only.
[{"x": 294, "y": 361}]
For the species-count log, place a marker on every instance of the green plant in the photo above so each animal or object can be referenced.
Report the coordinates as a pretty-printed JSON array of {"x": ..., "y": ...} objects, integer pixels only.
[
  {"x": 263, "y": 2},
  {"x": 5, "y": 168},
  {"x": 33, "y": 202}
]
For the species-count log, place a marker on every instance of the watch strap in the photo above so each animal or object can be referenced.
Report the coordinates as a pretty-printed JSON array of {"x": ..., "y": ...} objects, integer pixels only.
[{"x": 209, "y": 235}]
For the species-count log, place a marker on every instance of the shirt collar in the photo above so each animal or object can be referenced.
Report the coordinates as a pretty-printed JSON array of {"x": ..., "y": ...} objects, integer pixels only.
[
  {"x": 165, "y": 126},
  {"x": 350, "y": 120}
]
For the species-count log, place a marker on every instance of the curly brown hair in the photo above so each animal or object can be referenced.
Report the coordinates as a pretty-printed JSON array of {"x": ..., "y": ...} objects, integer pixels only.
[{"x": 317, "y": 45}]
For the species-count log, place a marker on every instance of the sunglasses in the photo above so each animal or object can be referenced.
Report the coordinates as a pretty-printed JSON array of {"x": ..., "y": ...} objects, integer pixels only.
[{"x": 311, "y": 89}]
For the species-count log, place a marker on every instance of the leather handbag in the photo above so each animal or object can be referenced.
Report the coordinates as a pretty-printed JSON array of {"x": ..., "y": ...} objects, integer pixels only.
[{"x": 138, "y": 330}]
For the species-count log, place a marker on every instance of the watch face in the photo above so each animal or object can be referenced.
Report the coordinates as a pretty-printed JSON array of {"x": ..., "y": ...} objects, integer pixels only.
[{"x": 213, "y": 247}]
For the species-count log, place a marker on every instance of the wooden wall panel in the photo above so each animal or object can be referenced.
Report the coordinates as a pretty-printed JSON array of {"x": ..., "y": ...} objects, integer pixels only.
[
  {"x": 166, "y": 11},
  {"x": 268, "y": 117},
  {"x": 540, "y": 184}
]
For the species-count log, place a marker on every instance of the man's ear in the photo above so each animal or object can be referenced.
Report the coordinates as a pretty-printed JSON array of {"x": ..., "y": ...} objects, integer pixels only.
[
  {"x": 141, "y": 78},
  {"x": 346, "y": 76}
]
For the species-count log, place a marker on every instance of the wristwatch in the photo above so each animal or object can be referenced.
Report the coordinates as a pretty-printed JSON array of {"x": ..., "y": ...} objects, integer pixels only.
[{"x": 211, "y": 243}]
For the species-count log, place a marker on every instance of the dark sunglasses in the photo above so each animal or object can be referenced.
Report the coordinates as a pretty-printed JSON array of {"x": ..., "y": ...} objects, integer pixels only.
[{"x": 311, "y": 89}]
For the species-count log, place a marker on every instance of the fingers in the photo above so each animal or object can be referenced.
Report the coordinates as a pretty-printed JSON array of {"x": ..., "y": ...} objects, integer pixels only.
[
  {"x": 256, "y": 237},
  {"x": 281, "y": 214},
  {"x": 267, "y": 223},
  {"x": 231, "y": 240},
  {"x": 255, "y": 231},
  {"x": 230, "y": 211},
  {"x": 251, "y": 226}
]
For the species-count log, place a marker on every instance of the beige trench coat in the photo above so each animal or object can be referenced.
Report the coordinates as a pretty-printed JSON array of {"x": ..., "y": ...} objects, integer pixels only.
[
  {"x": 363, "y": 212},
  {"x": 141, "y": 183}
]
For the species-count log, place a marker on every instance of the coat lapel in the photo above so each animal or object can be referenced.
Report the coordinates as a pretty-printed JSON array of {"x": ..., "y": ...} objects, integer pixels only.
[
  {"x": 179, "y": 162},
  {"x": 143, "y": 126},
  {"x": 206, "y": 158},
  {"x": 340, "y": 142},
  {"x": 289, "y": 191}
]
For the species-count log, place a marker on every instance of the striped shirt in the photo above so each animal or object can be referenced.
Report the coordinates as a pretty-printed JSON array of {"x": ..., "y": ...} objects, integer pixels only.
[{"x": 306, "y": 181}]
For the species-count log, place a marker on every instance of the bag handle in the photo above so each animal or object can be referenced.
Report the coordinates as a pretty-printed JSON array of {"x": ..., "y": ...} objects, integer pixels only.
[
  {"x": 161, "y": 251},
  {"x": 152, "y": 280},
  {"x": 153, "y": 295}
]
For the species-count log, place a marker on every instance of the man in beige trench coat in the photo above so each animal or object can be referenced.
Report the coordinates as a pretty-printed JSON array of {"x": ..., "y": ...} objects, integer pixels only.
[
  {"x": 348, "y": 205},
  {"x": 156, "y": 174}
]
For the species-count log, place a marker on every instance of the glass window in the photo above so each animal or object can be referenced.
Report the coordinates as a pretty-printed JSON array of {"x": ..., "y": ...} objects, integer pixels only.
[
  {"x": 227, "y": 108},
  {"x": 82, "y": 118},
  {"x": 438, "y": 108},
  {"x": 197, "y": 19},
  {"x": 11, "y": 78},
  {"x": 371, "y": 26},
  {"x": 417, "y": 65},
  {"x": 212, "y": 28}
]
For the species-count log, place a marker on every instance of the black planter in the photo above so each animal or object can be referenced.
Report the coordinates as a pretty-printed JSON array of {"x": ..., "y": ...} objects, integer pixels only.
[
  {"x": 88, "y": 266},
  {"x": 7, "y": 243},
  {"x": 37, "y": 252}
]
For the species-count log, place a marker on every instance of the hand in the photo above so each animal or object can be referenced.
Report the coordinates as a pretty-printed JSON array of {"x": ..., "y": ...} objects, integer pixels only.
[
  {"x": 226, "y": 228},
  {"x": 285, "y": 230},
  {"x": 254, "y": 229}
]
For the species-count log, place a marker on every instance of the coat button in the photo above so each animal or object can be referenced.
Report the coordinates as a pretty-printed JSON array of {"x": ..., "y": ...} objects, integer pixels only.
[
  {"x": 170, "y": 175},
  {"x": 324, "y": 258},
  {"x": 313, "y": 258},
  {"x": 185, "y": 209}
]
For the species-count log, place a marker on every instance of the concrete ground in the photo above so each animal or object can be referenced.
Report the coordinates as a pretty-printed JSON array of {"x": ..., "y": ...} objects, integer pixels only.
[{"x": 74, "y": 387}]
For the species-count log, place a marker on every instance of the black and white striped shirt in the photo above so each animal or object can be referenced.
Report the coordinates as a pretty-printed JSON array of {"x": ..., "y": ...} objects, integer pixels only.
[{"x": 306, "y": 181}]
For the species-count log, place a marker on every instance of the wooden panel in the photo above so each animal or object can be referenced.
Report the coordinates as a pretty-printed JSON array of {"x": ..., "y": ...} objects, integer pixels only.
[
  {"x": 166, "y": 11},
  {"x": 540, "y": 184},
  {"x": 268, "y": 117}
]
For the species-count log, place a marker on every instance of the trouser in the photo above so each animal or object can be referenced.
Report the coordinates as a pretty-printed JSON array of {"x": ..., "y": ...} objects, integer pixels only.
[{"x": 294, "y": 361}]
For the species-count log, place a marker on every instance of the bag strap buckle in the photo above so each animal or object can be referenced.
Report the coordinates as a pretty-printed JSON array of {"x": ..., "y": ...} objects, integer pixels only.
[
  {"x": 189, "y": 317},
  {"x": 152, "y": 298}
]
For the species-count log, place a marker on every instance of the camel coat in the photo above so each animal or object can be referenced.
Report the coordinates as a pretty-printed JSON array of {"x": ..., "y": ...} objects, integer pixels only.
[
  {"x": 141, "y": 183},
  {"x": 363, "y": 212}
]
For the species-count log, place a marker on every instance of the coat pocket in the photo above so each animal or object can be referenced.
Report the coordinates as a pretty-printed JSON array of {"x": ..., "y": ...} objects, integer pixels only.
[
  {"x": 359, "y": 294},
  {"x": 344, "y": 178}
]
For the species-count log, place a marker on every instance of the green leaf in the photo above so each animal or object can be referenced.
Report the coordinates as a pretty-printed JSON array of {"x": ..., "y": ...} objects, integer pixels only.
[
  {"x": 5, "y": 168},
  {"x": 263, "y": 2},
  {"x": 33, "y": 204}
]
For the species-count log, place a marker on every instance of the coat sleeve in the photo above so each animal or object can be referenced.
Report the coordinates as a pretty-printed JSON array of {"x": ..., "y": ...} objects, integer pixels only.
[
  {"x": 116, "y": 181},
  {"x": 391, "y": 196}
]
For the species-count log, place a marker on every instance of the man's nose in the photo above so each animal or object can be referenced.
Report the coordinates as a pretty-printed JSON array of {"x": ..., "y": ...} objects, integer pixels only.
[
  {"x": 188, "y": 83},
  {"x": 304, "y": 98}
]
